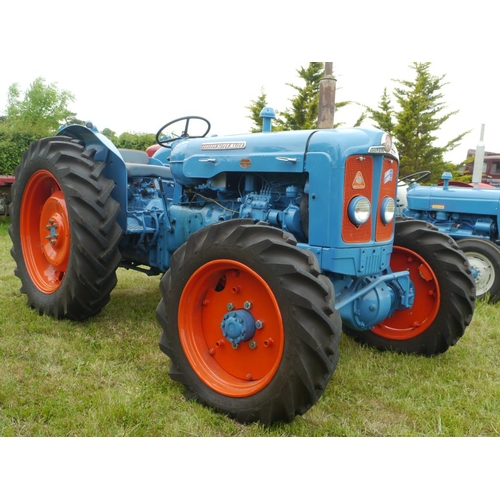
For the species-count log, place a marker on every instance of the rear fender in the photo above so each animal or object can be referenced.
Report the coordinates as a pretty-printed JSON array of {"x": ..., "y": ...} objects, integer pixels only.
[{"x": 105, "y": 151}]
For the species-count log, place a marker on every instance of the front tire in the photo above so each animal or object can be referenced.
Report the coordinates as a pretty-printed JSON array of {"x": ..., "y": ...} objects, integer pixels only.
[
  {"x": 444, "y": 294},
  {"x": 64, "y": 231},
  {"x": 484, "y": 258},
  {"x": 233, "y": 279}
]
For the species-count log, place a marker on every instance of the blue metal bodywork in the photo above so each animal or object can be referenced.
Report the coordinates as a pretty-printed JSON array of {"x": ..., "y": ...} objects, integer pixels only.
[
  {"x": 461, "y": 212},
  {"x": 291, "y": 180}
]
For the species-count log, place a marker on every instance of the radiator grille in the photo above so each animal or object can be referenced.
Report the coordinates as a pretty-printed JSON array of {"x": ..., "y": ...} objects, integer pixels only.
[
  {"x": 358, "y": 181},
  {"x": 388, "y": 184}
]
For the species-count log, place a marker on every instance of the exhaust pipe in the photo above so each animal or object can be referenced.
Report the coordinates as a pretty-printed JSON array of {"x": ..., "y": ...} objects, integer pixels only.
[
  {"x": 477, "y": 172},
  {"x": 326, "y": 108}
]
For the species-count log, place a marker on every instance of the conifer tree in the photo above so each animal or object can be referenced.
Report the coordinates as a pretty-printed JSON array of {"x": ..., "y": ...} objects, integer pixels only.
[
  {"x": 303, "y": 114},
  {"x": 383, "y": 116},
  {"x": 417, "y": 120},
  {"x": 255, "y": 108}
]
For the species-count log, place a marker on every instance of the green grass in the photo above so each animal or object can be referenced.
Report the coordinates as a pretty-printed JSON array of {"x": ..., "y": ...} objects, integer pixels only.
[{"x": 107, "y": 377}]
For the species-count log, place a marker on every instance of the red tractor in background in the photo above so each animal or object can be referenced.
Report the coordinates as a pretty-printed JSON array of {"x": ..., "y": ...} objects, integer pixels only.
[{"x": 6, "y": 182}]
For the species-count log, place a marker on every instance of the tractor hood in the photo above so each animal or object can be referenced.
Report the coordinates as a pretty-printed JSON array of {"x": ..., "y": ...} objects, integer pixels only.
[
  {"x": 473, "y": 200},
  {"x": 194, "y": 160}
]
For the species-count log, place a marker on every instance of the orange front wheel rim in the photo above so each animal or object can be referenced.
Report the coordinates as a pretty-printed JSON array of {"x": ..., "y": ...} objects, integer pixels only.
[
  {"x": 230, "y": 328},
  {"x": 410, "y": 323},
  {"x": 45, "y": 231}
]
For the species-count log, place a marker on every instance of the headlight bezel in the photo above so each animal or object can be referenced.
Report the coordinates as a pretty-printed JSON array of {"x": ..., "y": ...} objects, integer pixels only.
[
  {"x": 387, "y": 210},
  {"x": 359, "y": 210}
]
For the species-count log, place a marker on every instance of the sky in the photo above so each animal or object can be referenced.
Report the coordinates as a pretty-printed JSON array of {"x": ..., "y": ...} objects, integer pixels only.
[{"x": 133, "y": 68}]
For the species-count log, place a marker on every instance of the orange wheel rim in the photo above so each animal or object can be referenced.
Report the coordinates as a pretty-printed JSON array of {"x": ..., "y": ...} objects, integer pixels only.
[
  {"x": 409, "y": 323},
  {"x": 216, "y": 290},
  {"x": 44, "y": 231}
]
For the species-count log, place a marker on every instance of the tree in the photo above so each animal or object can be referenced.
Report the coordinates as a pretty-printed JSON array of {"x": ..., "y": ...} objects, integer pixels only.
[
  {"x": 128, "y": 140},
  {"x": 42, "y": 110},
  {"x": 414, "y": 125},
  {"x": 303, "y": 113},
  {"x": 110, "y": 134},
  {"x": 38, "y": 113},
  {"x": 385, "y": 114},
  {"x": 255, "y": 108}
]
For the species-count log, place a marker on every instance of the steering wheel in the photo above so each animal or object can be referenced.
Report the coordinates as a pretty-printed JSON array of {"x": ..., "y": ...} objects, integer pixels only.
[
  {"x": 417, "y": 176},
  {"x": 166, "y": 142}
]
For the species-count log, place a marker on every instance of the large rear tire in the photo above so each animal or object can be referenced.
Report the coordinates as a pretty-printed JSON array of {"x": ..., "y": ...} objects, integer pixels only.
[
  {"x": 64, "y": 231},
  {"x": 484, "y": 258},
  {"x": 249, "y": 322},
  {"x": 444, "y": 294}
]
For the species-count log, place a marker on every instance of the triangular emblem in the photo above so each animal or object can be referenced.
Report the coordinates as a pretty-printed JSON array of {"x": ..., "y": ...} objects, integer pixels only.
[{"x": 359, "y": 182}]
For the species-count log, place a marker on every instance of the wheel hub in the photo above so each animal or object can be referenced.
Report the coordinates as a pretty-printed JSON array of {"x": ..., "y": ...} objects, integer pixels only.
[
  {"x": 484, "y": 274},
  {"x": 238, "y": 326},
  {"x": 54, "y": 233}
]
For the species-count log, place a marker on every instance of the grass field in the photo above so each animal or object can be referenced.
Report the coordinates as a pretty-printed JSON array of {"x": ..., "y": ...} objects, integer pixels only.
[{"x": 107, "y": 377}]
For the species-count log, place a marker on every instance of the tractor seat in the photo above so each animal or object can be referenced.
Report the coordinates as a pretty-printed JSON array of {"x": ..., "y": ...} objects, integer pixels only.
[{"x": 138, "y": 165}]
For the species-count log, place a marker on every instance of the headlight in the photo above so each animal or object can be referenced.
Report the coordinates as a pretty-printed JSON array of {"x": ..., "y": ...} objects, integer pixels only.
[
  {"x": 387, "y": 142},
  {"x": 359, "y": 210},
  {"x": 388, "y": 209}
]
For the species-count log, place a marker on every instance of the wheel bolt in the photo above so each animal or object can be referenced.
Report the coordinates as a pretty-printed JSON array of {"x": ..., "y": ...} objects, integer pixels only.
[
  {"x": 252, "y": 344},
  {"x": 247, "y": 305},
  {"x": 230, "y": 306},
  {"x": 259, "y": 324}
]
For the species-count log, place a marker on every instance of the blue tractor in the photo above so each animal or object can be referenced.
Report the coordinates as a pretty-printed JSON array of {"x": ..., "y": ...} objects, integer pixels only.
[
  {"x": 467, "y": 212},
  {"x": 269, "y": 245},
  {"x": 471, "y": 216}
]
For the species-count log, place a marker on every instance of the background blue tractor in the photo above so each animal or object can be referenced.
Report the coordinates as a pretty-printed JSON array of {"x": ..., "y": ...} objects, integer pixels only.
[
  {"x": 269, "y": 245},
  {"x": 469, "y": 213}
]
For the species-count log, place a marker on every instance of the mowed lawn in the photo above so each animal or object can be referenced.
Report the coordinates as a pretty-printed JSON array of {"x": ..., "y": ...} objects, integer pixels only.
[{"x": 107, "y": 377}]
